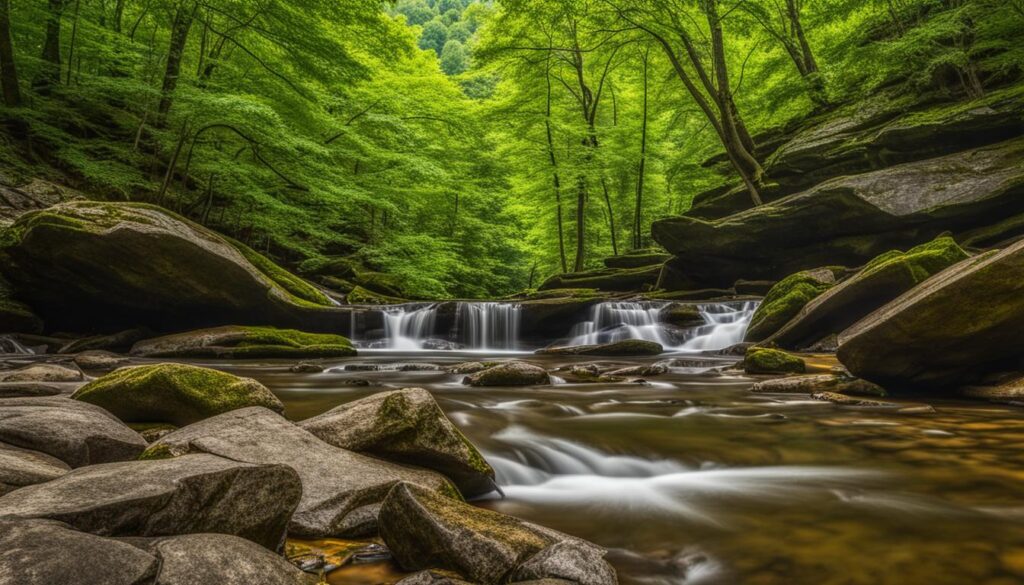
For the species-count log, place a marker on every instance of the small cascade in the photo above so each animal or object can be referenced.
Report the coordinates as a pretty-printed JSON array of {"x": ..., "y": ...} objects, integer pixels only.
[
  {"x": 10, "y": 345},
  {"x": 488, "y": 326},
  {"x": 726, "y": 323},
  {"x": 408, "y": 326},
  {"x": 616, "y": 321}
]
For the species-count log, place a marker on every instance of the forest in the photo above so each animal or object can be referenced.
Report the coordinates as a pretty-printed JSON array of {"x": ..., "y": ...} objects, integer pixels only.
[{"x": 490, "y": 292}]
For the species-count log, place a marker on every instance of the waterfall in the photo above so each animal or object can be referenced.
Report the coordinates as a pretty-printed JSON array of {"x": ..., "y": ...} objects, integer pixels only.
[
  {"x": 725, "y": 325},
  {"x": 616, "y": 321},
  {"x": 11, "y": 345},
  {"x": 406, "y": 327},
  {"x": 488, "y": 326}
]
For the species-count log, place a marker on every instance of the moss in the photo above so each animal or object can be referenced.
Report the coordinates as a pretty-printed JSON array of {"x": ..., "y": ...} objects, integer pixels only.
[
  {"x": 918, "y": 263},
  {"x": 246, "y": 342},
  {"x": 772, "y": 361},
  {"x": 785, "y": 300},
  {"x": 178, "y": 394},
  {"x": 156, "y": 453},
  {"x": 361, "y": 296},
  {"x": 286, "y": 280}
]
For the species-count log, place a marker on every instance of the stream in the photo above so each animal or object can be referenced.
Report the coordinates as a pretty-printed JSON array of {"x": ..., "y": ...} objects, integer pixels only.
[{"x": 692, "y": 479}]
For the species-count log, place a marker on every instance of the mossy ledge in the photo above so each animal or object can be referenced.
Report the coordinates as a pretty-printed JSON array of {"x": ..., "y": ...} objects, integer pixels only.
[{"x": 234, "y": 341}]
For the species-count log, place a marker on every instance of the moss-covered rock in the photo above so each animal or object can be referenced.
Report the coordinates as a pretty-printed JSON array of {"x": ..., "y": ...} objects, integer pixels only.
[
  {"x": 760, "y": 360},
  {"x": 845, "y": 400},
  {"x": 238, "y": 342},
  {"x": 288, "y": 281},
  {"x": 509, "y": 374},
  {"x": 361, "y": 296},
  {"x": 624, "y": 348},
  {"x": 682, "y": 315},
  {"x": 607, "y": 279},
  {"x": 178, "y": 394},
  {"x": 406, "y": 426},
  {"x": 880, "y": 281},
  {"x": 786, "y": 299},
  {"x": 812, "y": 383},
  {"x": 91, "y": 265},
  {"x": 951, "y": 330}
]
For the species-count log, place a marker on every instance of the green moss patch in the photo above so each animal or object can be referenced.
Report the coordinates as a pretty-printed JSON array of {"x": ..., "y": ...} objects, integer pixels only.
[
  {"x": 772, "y": 361},
  {"x": 785, "y": 300},
  {"x": 246, "y": 342}
]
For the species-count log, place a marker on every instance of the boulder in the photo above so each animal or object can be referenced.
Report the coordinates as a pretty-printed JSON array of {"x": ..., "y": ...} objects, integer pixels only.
[
  {"x": 42, "y": 373},
  {"x": 221, "y": 559},
  {"x": 847, "y": 221},
  {"x": 880, "y": 281},
  {"x": 74, "y": 432},
  {"x": 185, "y": 495},
  {"x": 547, "y": 317},
  {"x": 1007, "y": 390},
  {"x": 174, "y": 393},
  {"x": 45, "y": 552},
  {"x": 90, "y": 265},
  {"x": 682, "y": 315},
  {"x": 22, "y": 467},
  {"x": 434, "y": 577},
  {"x": 948, "y": 331},
  {"x": 844, "y": 400},
  {"x": 786, "y": 299},
  {"x": 28, "y": 389},
  {"x": 818, "y": 383},
  {"x": 425, "y": 530},
  {"x": 16, "y": 316},
  {"x": 341, "y": 490},
  {"x": 641, "y": 370},
  {"x": 509, "y": 374},
  {"x": 760, "y": 360},
  {"x": 607, "y": 279},
  {"x": 97, "y": 360},
  {"x": 122, "y": 341},
  {"x": 636, "y": 259},
  {"x": 624, "y": 348},
  {"x": 470, "y": 367},
  {"x": 406, "y": 426},
  {"x": 232, "y": 341}
]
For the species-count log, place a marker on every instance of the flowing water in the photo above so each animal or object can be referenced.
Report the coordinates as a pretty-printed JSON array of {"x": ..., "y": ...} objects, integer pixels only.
[{"x": 693, "y": 479}]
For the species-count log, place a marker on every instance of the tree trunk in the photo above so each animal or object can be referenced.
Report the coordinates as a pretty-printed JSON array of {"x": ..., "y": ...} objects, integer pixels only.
[
  {"x": 611, "y": 217},
  {"x": 74, "y": 37},
  {"x": 640, "y": 168},
  {"x": 179, "y": 36},
  {"x": 581, "y": 207},
  {"x": 49, "y": 70},
  {"x": 556, "y": 180},
  {"x": 118, "y": 15},
  {"x": 8, "y": 72}
]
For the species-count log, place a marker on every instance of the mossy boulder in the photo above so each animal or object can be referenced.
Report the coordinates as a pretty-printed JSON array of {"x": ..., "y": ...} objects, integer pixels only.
[
  {"x": 760, "y": 360},
  {"x": 785, "y": 300},
  {"x": 424, "y": 530},
  {"x": 624, "y": 348},
  {"x": 607, "y": 279},
  {"x": 509, "y": 374},
  {"x": 406, "y": 426},
  {"x": 949, "y": 331},
  {"x": 239, "y": 342},
  {"x": 812, "y": 383},
  {"x": 178, "y": 394},
  {"x": 880, "y": 281},
  {"x": 89, "y": 265},
  {"x": 847, "y": 220},
  {"x": 682, "y": 315}
]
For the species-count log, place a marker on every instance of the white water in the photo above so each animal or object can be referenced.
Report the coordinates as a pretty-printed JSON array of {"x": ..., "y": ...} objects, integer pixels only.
[
  {"x": 725, "y": 324},
  {"x": 406, "y": 328},
  {"x": 11, "y": 345},
  {"x": 488, "y": 326}
]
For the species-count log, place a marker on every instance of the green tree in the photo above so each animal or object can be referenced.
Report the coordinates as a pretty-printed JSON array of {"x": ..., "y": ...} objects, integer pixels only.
[
  {"x": 434, "y": 36},
  {"x": 454, "y": 59}
]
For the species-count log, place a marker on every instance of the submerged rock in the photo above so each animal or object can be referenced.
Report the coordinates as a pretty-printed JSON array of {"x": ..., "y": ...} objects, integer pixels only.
[
  {"x": 681, "y": 315},
  {"x": 233, "y": 341},
  {"x": 844, "y": 400},
  {"x": 90, "y": 265},
  {"x": 341, "y": 490},
  {"x": 759, "y": 360},
  {"x": 42, "y": 373},
  {"x": 424, "y": 530},
  {"x": 624, "y": 348},
  {"x": 174, "y": 393},
  {"x": 306, "y": 368},
  {"x": 880, "y": 281},
  {"x": 470, "y": 367},
  {"x": 22, "y": 467},
  {"x": 949, "y": 331},
  {"x": 786, "y": 299},
  {"x": 1008, "y": 390},
  {"x": 509, "y": 374},
  {"x": 406, "y": 426},
  {"x": 76, "y": 433},
  {"x": 818, "y": 383},
  {"x": 97, "y": 360},
  {"x": 193, "y": 494},
  {"x": 28, "y": 389}
]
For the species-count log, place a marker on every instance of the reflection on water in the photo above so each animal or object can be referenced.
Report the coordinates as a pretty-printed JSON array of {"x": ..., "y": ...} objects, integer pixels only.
[{"x": 696, "y": 480}]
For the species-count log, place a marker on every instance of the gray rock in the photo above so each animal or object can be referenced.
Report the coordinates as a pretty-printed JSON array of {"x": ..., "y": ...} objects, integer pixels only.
[
  {"x": 28, "y": 390},
  {"x": 42, "y": 373},
  {"x": 184, "y": 495},
  {"x": 341, "y": 490},
  {"x": 98, "y": 360},
  {"x": 467, "y": 368},
  {"x": 643, "y": 370},
  {"x": 44, "y": 552},
  {"x": 22, "y": 467},
  {"x": 433, "y": 577},
  {"x": 221, "y": 559},
  {"x": 844, "y": 400},
  {"x": 509, "y": 374},
  {"x": 72, "y": 431},
  {"x": 579, "y": 562},
  {"x": 406, "y": 426},
  {"x": 426, "y": 530}
]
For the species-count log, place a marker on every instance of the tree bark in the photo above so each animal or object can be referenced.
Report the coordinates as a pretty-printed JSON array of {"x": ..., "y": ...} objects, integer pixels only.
[
  {"x": 118, "y": 15},
  {"x": 49, "y": 71},
  {"x": 641, "y": 167},
  {"x": 611, "y": 217},
  {"x": 554, "y": 173},
  {"x": 581, "y": 205},
  {"x": 74, "y": 37},
  {"x": 179, "y": 36},
  {"x": 8, "y": 71}
]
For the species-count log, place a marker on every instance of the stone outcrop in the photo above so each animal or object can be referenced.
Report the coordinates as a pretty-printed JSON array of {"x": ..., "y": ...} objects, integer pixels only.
[
  {"x": 786, "y": 299},
  {"x": 607, "y": 279},
  {"x": 22, "y": 467},
  {"x": 233, "y": 341},
  {"x": 509, "y": 374}
]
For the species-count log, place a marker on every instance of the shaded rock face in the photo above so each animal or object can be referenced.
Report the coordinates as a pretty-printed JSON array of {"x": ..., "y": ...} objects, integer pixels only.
[
  {"x": 424, "y": 530},
  {"x": 847, "y": 220},
  {"x": 509, "y": 374},
  {"x": 221, "y": 559},
  {"x": 22, "y": 467},
  {"x": 545, "y": 318},
  {"x": 44, "y": 552},
  {"x": 90, "y": 265},
  {"x": 786, "y": 299},
  {"x": 76, "y": 433},
  {"x": 880, "y": 281},
  {"x": 341, "y": 490},
  {"x": 232, "y": 341},
  {"x": 607, "y": 279},
  {"x": 636, "y": 259},
  {"x": 406, "y": 426},
  {"x": 624, "y": 348},
  {"x": 121, "y": 341},
  {"x": 16, "y": 316},
  {"x": 193, "y": 494},
  {"x": 961, "y": 324},
  {"x": 174, "y": 393}
]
